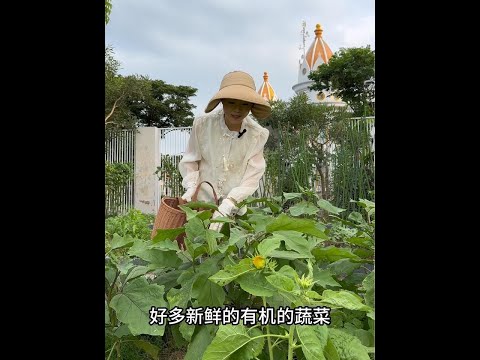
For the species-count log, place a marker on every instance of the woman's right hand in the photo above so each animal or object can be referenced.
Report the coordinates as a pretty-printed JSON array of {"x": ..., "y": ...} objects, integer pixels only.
[{"x": 188, "y": 194}]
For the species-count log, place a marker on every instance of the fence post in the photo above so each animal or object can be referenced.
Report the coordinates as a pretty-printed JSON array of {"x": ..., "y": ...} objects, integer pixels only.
[{"x": 147, "y": 158}]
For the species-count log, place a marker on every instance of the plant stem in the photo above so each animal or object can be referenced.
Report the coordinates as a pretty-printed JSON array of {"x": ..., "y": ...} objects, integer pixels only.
[
  {"x": 270, "y": 348},
  {"x": 290, "y": 342},
  {"x": 113, "y": 347}
]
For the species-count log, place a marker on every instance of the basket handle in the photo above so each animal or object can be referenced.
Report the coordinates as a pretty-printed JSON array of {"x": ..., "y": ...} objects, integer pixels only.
[{"x": 194, "y": 197}]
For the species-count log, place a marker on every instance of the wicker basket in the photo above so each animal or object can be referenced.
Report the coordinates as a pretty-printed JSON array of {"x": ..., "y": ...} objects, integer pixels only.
[{"x": 170, "y": 216}]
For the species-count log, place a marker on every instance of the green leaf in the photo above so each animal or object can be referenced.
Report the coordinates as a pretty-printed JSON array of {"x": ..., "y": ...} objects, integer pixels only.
[
  {"x": 201, "y": 340},
  {"x": 281, "y": 282},
  {"x": 125, "y": 265},
  {"x": 165, "y": 245},
  {"x": 330, "y": 352},
  {"x": 230, "y": 273},
  {"x": 357, "y": 217},
  {"x": 207, "y": 293},
  {"x": 139, "y": 271},
  {"x": 201, "y": 205},
  {"x": 369, "y": 285},
  {"x": 295, "y": 241},
  {"x": 181, "y": 297},
  {"x": 159, "y": 257},
  {"x": 343, "y": 267},
  {"x": 190, "y": 214},
  {"x": 133, "y": 304},
  {"x": 164, "y": 234},
  {"x": 122, "y": 331},
  {"x": 290, "y": 196},
  {"x": 187, "y": 330},
  {"x": 325, "y": 205},
  {"x": 347, "y": 345},
  {"x": 256, "y": 284},
  {"x": 313, "y": 341},
  {"x": 303, "y": 208},
  {"x": 231, "y": 342},
  {"x": 360, "y": 241},
  {"x": 324, "y": 278},
  {"x": 148, "y": 347},
  {"x": 194, "y": 228},
  {"x": 259, "y": 221},
  {"x": 332, "y": 253},
  {"x": 344, "y": 299},
  {"x": 289, "y": 255},
  {"x": 222, "y": 219},
  {"x": 212, "y": 236},
  {"x": 119, "y": 241},
  {"x": 305, "y": 226},
  {"x": 266, "y": 246}
]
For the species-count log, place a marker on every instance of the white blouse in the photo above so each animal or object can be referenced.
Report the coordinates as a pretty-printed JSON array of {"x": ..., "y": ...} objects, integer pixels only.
[{"x": 233, "y": 165}]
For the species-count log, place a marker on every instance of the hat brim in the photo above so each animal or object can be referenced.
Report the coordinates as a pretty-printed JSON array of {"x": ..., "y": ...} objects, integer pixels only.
[{"x": 261, "y": 108}]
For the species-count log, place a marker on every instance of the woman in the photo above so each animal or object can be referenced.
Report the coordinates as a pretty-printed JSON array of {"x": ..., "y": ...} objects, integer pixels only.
[{"x": 226, "y": 147}]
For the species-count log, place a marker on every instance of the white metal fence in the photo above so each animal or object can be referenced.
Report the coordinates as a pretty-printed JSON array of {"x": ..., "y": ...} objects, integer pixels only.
[{"x": 120, "y": 148}]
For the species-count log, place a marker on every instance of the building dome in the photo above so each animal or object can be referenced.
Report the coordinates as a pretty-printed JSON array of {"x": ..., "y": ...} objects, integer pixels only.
[
  {"x": 319, "y": 52},
  {"x": 266, "y": 90}
]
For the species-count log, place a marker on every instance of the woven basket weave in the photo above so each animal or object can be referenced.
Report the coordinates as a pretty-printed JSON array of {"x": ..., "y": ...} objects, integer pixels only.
[{"x": 170, "y": 216}]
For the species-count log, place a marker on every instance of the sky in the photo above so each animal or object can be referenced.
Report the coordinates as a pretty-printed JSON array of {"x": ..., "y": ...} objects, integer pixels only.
[{"x": 196, "y": 42}]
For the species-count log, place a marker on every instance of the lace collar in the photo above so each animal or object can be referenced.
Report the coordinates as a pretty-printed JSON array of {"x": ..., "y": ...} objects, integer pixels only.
[{"x": 225, "y": 130}]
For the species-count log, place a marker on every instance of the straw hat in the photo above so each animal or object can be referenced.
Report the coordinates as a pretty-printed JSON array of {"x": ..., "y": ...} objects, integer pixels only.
[{"x": 240, "y": 86}]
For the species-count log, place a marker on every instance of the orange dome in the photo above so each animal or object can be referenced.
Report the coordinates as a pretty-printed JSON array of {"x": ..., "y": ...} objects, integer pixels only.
[
  {"x": 319, "y": 48},
  {"x": 266, "y": 90}
]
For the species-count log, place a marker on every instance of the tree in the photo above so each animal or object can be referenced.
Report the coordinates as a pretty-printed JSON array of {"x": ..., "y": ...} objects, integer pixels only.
[
  {"x": 120, "y": 91},
  {"x": 305, "y": 132},
  {"x": 136, "y": 100},
  {"x": 108, "y": 10},
  {"x": 165, "y": 105},
  {"x": 345, "y": 76}
]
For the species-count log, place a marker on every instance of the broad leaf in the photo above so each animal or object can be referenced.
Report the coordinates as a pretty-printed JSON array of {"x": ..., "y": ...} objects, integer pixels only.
[
  {"x": 230, "y": 273},
  {"x": 181, "y": 297},
  {"x": 281, "y": 282},
  {"x": 295, "y": 241},
  {"x": 260, "y": 222},
  {"x": 165, "y": 245},
  {"x": 230, "y": 343},
  {"x": 201, "y": 205},
  {"x": 132, "y": 306},
  {"x": 303, "y": 208},
  {"x": 139, "y": 271},
  {"x": 158, "y": 257},
  {"x": 121, "y": 241},
  {"x": 266, "y": 246},
  {"x": 187, "y": 330},
  {"x": 290, "y": 196},
  {"x": 289, "y": 255},
  {"x": 164, "y": 234},
  {"x": 369, "y": 285},
  {"x": 330, "y": 351},
  {"x": 324, "y": 278},
  {"x": 256, "y": 284},
  {"x": 200, "y": 341},
  {"x": 325, "y": 205},
  {"x": 313, "y": 340},
  {"x": 344, "y": 299},
  {"x": 347, "y": 345},
  {"x": 207, "y": 293},
  {"x": 194, "y": 228},
  {"x": 332, "y": 253},
  {"x": 212, "y": 237},
  {"x": 305, "y": 226}
]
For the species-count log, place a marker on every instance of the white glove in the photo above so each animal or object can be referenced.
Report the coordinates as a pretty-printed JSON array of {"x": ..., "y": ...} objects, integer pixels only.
[
  {"x": 188, "y": 194},
  {"x": 226, "y": 208}
]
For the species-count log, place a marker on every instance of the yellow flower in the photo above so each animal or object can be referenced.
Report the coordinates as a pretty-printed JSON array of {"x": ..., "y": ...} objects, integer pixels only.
[{"x": 259, "y": 262}]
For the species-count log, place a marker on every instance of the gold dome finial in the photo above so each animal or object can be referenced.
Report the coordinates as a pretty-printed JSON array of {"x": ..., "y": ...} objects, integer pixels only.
[
  {"x": 265, "y": 76},
  {"x": 318, "y": 30}
]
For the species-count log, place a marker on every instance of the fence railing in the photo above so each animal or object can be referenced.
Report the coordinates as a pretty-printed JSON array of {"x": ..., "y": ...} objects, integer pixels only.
[{"x": 120, "y": 148}]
